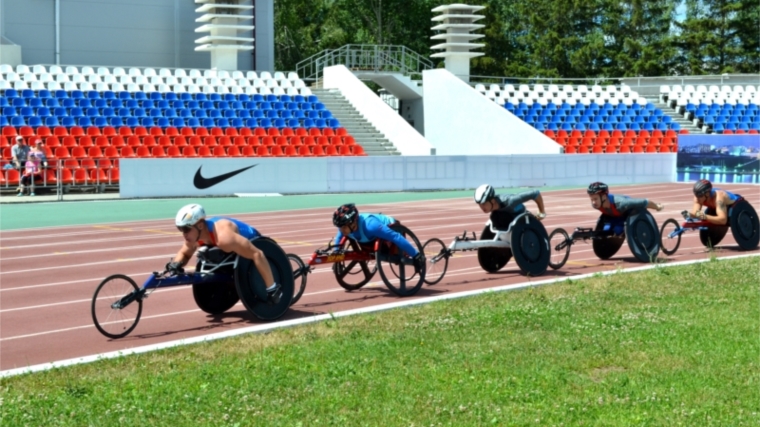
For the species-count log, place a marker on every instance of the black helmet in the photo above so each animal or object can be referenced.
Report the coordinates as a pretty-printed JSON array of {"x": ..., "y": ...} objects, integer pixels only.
[
  {"x": 702, "y": 187},
  {"x": 345, "y": 215},
  {"x": 597, "y": 188}
]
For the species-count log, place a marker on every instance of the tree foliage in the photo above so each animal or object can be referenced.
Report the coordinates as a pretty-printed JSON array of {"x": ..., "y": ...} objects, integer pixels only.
[{"x": 548, "y": 38}]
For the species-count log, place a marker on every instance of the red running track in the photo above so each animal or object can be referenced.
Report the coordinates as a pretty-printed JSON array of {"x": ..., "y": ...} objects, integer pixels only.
[{"x": 48, "y": 275}]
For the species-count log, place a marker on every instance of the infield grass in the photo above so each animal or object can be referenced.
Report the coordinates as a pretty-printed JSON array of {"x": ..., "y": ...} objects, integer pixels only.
[{"x": 664, "y": 347}]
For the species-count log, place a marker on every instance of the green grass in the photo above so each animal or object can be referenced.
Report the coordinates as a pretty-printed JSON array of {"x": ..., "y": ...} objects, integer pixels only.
[{"x": 665, "y": 347}]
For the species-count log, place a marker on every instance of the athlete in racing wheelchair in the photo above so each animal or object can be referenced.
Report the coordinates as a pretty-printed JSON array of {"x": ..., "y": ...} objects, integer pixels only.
[
  {"x": 724, "y": 209},
  {"x": 235, "y": 263},
  {"x": 533, "y": 256},
  {"x": 367, "y": 228},
  {"x": 623, "y": 218}
]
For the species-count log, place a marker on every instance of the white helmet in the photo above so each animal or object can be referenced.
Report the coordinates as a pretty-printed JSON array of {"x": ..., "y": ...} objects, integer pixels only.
[
  {"x": 484, "y": 193},
  {"x": 189, "y": 215}
]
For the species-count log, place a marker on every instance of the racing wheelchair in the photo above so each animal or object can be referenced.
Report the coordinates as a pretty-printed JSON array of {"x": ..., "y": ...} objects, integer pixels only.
[
  {"x": 355, "y": 264},
  {"x": 522, "y": 237},
  {"x": 220, "y": 280},
  {"x": 639, "y": 229},
  {"x": 742, "y": 219}
]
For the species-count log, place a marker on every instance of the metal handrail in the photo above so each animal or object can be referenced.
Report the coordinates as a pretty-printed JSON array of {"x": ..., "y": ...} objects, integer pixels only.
[{"x": 362, "y": 57}]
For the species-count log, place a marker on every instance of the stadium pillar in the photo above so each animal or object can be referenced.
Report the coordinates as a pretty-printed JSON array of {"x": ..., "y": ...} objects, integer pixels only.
[
  {"x": 455, "y": 24},
  {"x": 223, "y": 19}
]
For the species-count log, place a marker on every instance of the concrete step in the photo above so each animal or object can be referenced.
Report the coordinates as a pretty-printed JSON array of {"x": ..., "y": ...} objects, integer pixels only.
[{"x": 675, "y": 116}]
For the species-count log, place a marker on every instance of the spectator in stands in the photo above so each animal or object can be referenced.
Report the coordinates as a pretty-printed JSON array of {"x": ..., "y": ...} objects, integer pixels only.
[
  {"x": 504, "y": 208},
  {"x": 20, "y": 151},
  {"x": 617, "y": 205},
  {"x": 32, "y": 167}
]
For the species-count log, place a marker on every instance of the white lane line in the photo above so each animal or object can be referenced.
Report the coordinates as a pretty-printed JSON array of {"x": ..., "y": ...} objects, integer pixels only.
[{"x": 319, "y": 318}]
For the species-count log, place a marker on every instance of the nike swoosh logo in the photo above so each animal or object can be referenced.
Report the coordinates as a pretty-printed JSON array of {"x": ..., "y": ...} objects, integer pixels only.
[{"x": 202, "y": 183}]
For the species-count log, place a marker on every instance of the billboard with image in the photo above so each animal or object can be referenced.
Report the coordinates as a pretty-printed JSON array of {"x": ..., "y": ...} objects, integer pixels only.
[{"x": 719, "y": 158}]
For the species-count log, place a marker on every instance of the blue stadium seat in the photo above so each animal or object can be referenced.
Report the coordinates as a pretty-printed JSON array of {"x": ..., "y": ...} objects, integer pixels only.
[
  {"x": 208, "y": 123},
  {"x": 66, "y": 121},
  {"x": 147, "y": 105},
  {"x": 139, "y": 112},
  {"x": 229, "y": 97},
  {"x": 251, "y": 123},
  {"x": 11, "y": 93},
  {"x": 200, "y": 97},
  {"x": 140, "y": 96},
  {"x": 100, "y": 121},
  {"x": 44, "y": 112},
  {"x": 236, "y": 123},
  {"x": 27, "y": 93},
  {"x": 44, "y": 94},
  {"x": 171, "y": 96},
  {"x": 193, "y": 122},
  {"x": 92, "y": 94},
  {"x": 18, "y": 102},
  {"x": 132, "y": 121},
  {"x": 214, "y": 97},
  {"x": 185, "y": 96},
  {"x": 222, "y": 123},
  {"x": 116, "y": 121},
  {"x": 17, "y": 121},
  {"x": 162, "y": 122},
  {"x": 155, "y": 96},
  {"x": 53, "y": 121},
  {"x": 35, "y": 121},
  {"x": 124, "y": 95},
  {"x": 293, "y": 123},
  {"x": 147, "y": 122},
  {"x": 84, "y": 121},
  {"x": 26, "y": 112},
  {"x": 265, "y": 123},
  {"x": 4, "y": 121}
]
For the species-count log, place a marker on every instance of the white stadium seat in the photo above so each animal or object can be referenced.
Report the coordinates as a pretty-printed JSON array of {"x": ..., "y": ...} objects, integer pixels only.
[
  {"x": 179, "y": 73},
  {"x": 250, "y": 75},
  {"x": 165, "y": 72},
  {"x": 22, "y": 69},
  {"x": 39, "y": 69},
  {"x": 134, "y": 72},
  {"x": 118, "y": 71}
]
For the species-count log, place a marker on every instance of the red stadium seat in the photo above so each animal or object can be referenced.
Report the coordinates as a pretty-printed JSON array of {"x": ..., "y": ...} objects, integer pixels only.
[
  {"x": 625, "y": 149},
  {"x": 217, "y": 132},
  {"x": 345, "y": 150},
  {"x": 109, "y": 131},
  {"x": 52, "y": 142},
  {"x": 317, "y": 150},
  {"x": 156, "y": 131},
  {"x": 164, "y": 141},
  {"x": 330, "y": 150},
  {"x": 26, "y": 131},
  {"x": 260, "y": 132},
  {"x": 204, "y": 151},
  {"x": 254, "y": 141},
  {"x": 134, "y": 141},
  {"x": 118, "y": 141},
  {"x": 66, "y": 177},
  {"x": 128, "y": 152},
  {"x": 239, "y": 141},
  {"x": 201, "y": 132},
  {"x": 158, "y": 151},
  {"x": 186, "y": 131},
  {"x": 111, "y": 152},
  {"x": 125, "y": 131},
  {"x": 51, "y": 176},
  {"x": 219, "y": 151},
  {"x": 249, "y": 151},
  {"x": 94, "y": 152},
  {"x": 341, "y": 132},
  {"x": 143, "y": 151},
  {"x": 9, "y": 131},
  {"x": 245, "y": 132},
  {"x": 80, "y": 177},
  {"x": 328, "y": 132},
  {"x": 281, "y": 140},
  {"x": 209, "y": 141},
  {"x": 234, "y": 151},
  {"x": 195, "y": 141},
  {"x": 302, "y": 132},
  {"x": 263, "y": 151},
  {"x": 277, "y": 151},
  {"x": 315, "y": 132},
  {"x": 309, "y": 140},
  {"x": 287, "y": 132},
  {"x": 291, "y": 151},
  {"x": 60, "y": 131},
  {"x": 93, "y": 131},
  {"x": 224, "y": 141},
  {"x": 173, "y": 151},
  {"x": 12, "y": 176},
  {"x": 180, "y": 141},
  {"x": 141, "y": 131},
  {"x": 98, "y": 176},
  {"x": 171, "y": 131},
  {"x": 358, "y": 150},
  {"x": 295, "y": 140},
  {"x": 62, "y": 153},
  {"x": 86, "y": 142},
  {"x": 267, "y": 141},
  {"x": 102, "y": 141},
  {"x": 149, "y": 141},
  {"x": 113, "y": 175},
  {"x": 273, "y": 132},
  {"x": 305, "y": 151},
  {"x": 189, "y": 151},
  {"x": 87, "y": 164},
  {"x": 43, "y": 131},
  {"x": 231, "y": 132}
]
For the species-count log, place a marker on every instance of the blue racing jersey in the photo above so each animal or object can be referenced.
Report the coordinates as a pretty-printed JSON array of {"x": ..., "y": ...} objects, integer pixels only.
[
  {"x": 244, "y": 229},
  {"x": 375, "y": 226}
]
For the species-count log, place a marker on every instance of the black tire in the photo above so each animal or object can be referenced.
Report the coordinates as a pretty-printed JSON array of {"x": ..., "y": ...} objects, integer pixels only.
[
  {"x": 605, "y": 247},
  {"x": 711, "y": 237},
  {"x": 492, "y": 259},
  {"x": 215, "y": 297},
  {"x": 436, "y": 255},
  {"x": 299, "y": 276},
  {"x": 530, "y": 245},
  {"x": 559, "y": 245},
  {"x": 745, "y": 225},
  {"x": 110, "y": 291},
  {"x": 390, "y": 259},
  {"x": 669, "y": 244},
  {"x": 251, "y": 286},
  {"x": 643, "y": 236},
  {"x": 353, "y": 275}
]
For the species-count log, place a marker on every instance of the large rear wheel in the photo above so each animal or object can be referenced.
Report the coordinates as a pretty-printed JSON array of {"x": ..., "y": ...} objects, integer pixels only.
[{"x": 396, "y": 268}]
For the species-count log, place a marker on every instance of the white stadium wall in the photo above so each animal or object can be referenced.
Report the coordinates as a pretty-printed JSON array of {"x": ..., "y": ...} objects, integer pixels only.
[
  {"x": 461, "y": 121},
  {"x": 176, "y": 177},
  {"x": 398, "y": 131}
]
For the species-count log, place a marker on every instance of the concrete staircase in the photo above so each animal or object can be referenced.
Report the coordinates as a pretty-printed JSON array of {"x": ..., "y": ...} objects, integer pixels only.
[
  {"x": 678, "y": 118},
  {"x": 373, "y": 142}
]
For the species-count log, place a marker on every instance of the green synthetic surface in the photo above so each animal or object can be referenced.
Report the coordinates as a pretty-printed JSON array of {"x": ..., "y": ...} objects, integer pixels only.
[{"x": 14, "y": 216}]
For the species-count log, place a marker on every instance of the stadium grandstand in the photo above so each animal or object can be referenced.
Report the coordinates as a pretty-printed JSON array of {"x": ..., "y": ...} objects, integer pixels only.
[{"x": 92, "y": 117}]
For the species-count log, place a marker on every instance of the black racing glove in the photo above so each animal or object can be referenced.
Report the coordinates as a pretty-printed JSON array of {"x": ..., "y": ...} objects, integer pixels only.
[
  {"x": 174, "y": 268},
  {"x": 419, "y": 261}
]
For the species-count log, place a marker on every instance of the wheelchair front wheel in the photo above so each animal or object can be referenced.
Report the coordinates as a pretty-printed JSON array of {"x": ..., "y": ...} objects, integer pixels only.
[
  {"x": 299, "y": 276},
  {"x": 116, "y": 306}
]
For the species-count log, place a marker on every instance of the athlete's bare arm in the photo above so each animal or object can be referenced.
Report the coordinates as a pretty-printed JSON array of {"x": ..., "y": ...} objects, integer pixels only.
[
  {"x": 185, "y": 253},
  {"x": 696, "y": 209},
  {"x": 229, "y": 240},
  {"x": 721, "y": 209}
]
